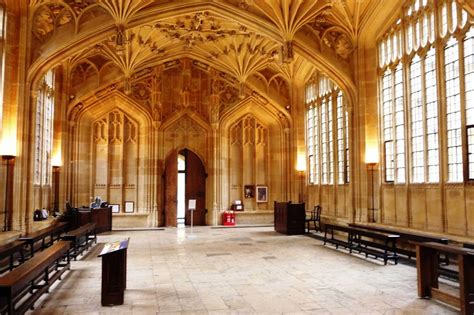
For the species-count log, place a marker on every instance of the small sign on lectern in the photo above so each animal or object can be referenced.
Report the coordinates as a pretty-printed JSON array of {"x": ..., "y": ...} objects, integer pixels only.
[{"x": 113, "y": 247}]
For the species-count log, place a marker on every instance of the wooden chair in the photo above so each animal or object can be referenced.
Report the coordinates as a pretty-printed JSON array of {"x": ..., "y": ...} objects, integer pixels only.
[{"x": 315, "y": 217}]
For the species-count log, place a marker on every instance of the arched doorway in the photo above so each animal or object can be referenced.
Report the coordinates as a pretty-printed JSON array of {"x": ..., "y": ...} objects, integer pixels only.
[{"x": 185, "y": 179}]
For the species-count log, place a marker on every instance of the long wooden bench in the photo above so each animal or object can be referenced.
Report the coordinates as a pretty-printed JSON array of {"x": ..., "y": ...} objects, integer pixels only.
[
  {"x": 427, "y": 263},
  {"x": 9, "y": 251},
  {"x": 371, "y": 243},
  {"x": 408, "y": 237},
  {"x": 21, "y": 287},
  {"x": 468, "y": 245},
  {"x": 52, "y": 232},
  {"x": 81, "y": 238}
]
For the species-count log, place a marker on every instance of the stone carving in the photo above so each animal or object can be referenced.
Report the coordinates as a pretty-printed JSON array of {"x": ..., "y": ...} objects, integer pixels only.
[
  {"x": 48, "y": 17},
  {"x": 100, "y": 131},
  {"x": 339, "y": 42},
  {"x": 141, "y": 91},
  {"x": 105, "y": 91},
  {"x": 197, "y": 29},
  {"x": 236, "y": 134},
  {"x": 260, "y": 135},
  {"x": 248, "y": 131},
  {"x": 115, "y": 127},
  {"x": 76, "y": 109},
  {"x": 332, "y": 37},
  {"x": 186, "y": 125},
  {"x": 130, "y": 131}
]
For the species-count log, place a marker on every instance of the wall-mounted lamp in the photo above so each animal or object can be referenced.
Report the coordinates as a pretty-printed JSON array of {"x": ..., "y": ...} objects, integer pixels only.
[
  {"x": 372, "y": 159},
  {"x": 371, "y": 154},
  {"x": 55, "y": 188},
  {"x": 8, "y": 153},
  {"x": 8, "y": 190},
  {"x": 56, "y": 160},
  {"x": 300, "y": 169}
]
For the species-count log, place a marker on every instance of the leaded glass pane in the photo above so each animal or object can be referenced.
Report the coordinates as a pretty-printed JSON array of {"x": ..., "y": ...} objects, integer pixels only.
[
  {"x": 453, "y": 111},
  {"x": 416, "y": 112}
]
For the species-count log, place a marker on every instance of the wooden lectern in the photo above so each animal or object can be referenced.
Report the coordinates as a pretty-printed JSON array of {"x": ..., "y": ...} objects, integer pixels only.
[{"x": 114, "y": 272}]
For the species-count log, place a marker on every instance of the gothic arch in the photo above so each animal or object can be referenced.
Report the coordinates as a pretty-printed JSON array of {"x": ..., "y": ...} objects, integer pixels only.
[
  {"x": 111, "y": 165},
  {"x": 249, "y": 162}
]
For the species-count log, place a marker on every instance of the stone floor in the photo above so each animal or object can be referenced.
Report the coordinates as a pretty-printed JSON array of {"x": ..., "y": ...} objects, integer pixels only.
[{"x": 239, "y": 271}]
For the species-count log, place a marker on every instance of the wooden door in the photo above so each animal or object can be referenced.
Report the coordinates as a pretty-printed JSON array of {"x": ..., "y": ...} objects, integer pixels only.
[
  {"x": 171, "y": 186},
  {"x": 195, "y": 188}
]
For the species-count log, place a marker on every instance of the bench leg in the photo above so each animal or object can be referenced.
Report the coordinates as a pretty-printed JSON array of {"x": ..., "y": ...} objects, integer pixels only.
[
  {"x": 427, "y": 270},
  {"x": 325, "y": 235}
]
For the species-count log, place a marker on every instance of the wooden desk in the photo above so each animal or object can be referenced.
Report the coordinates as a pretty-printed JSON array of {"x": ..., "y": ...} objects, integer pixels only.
[{"x": 102, "y": 217}]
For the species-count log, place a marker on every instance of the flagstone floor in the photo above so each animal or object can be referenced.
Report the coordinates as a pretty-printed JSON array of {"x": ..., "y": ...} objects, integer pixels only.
[{"x": 238, "y": 271}]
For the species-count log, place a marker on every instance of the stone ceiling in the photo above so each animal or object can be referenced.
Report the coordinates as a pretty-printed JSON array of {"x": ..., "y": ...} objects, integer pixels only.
[{"x": 135, "y": 35}]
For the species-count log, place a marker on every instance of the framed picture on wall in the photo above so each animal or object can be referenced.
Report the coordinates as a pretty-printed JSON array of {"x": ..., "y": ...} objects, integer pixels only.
[
  {"x": 248, "y": 191},
  {"x": 262, "y": 193},
  {"x": 129, "y": 206},
  {"x": 115, "y": 208}
]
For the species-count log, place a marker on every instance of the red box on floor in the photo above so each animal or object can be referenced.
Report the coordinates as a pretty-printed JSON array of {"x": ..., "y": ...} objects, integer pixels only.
[{"x": 228, "y": 218}]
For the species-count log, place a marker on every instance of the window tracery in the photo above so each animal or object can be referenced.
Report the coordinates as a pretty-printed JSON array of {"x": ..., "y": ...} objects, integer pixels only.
[
  {"x": 437, "y": 51},
  {"x": 44, "y": 130},
  {"x": 327, "y": 133}
]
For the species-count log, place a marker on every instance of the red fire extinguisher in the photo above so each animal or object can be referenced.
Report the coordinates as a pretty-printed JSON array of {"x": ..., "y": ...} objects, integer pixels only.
[{"x": 228, "y": 218}]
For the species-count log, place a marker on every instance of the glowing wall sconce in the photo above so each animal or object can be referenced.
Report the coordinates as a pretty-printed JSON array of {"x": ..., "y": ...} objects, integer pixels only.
[
  {"x": 8, "y": 153},
  {"x": 372, "y": 159},
  {"x": 301, "y": 163},
  {"x": 56, "y": 162},
  {"x": 301, "y": 168},
  {"x": 371, "y": 155},
  {"x": 8, "y": 147}
]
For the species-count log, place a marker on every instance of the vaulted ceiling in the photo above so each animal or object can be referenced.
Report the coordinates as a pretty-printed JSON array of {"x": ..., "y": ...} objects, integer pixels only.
[{"x": 247, "y": 42}]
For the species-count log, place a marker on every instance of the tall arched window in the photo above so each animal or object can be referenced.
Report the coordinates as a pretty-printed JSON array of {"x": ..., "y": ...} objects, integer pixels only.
[
  {"x": 448, "y": 43},
  {"x": 44, "y": 130},
  {"x": 327, "y": 133}
]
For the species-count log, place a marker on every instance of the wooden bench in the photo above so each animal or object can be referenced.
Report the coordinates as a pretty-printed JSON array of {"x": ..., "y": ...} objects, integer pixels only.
[
  {"x": 9, "y": 251},
  {"x": 408, "y": 237},
  {"x": 427, "y": 263},
  {"x": 468, "y": 245},
  {"x": 21, "y": 287},
  {"x": 81, "y": 238},
  {"x": 53, "y": 232},
  {"x": 371, "y": 243}
]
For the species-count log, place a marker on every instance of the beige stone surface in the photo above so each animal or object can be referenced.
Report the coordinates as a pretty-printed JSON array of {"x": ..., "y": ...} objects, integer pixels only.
[{"x": 239, "y": 271}]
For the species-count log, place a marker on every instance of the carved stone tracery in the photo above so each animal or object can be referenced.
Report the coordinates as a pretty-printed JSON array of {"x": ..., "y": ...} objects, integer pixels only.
[{"x": 198, "y": 29}]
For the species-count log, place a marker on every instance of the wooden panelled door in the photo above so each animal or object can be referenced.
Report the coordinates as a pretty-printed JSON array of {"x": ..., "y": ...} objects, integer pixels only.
[
  {"x": 170, "y": 189},
  {"x": 195, "y": 188}
]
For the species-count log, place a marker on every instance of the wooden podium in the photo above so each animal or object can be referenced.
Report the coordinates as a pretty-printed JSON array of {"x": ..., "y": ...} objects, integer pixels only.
[
  {"x": 114, "y": 272},
  {"x": 289, "y": 217}
]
